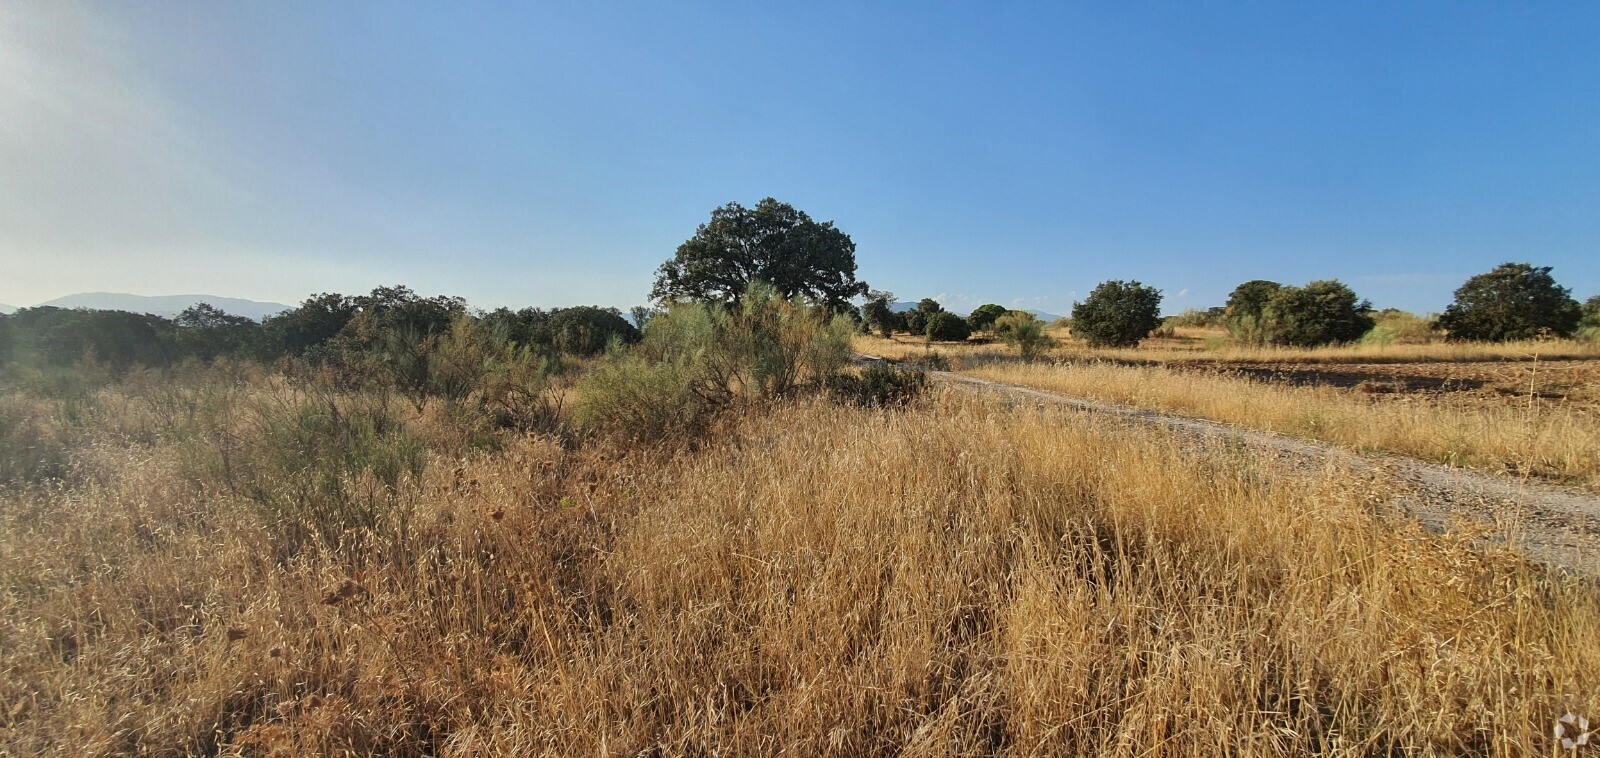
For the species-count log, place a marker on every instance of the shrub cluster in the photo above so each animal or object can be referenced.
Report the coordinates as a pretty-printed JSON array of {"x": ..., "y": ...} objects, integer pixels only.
[{"x": 697, "y": 358}]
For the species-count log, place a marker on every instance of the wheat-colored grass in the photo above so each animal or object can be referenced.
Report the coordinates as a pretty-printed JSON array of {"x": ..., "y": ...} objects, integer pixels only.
[
  {"x": 810, "y": 579},
  {"x": 1211, "y": 346},
  {"x": 1538, "y": 438}
]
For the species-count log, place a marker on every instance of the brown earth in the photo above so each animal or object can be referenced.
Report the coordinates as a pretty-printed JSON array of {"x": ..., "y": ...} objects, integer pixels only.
[{"x": 1575, "y": 382}]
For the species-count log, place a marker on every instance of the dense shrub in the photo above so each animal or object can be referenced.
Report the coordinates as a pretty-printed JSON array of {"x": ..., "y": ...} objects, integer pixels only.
[
  {"x": 947, "y": 327},
  {"x": 1320, "y": 313},
  {"x": 1515, "y": 301},
  {"x": 1396, "y": 327},
  {"x": 634, "y": 398},
  {"x": 1245, "y": 314},
  {"x": 1117, "y": 314},
  {"x": 586, "y": 330},
  {"x": 1024, "y": 331},
  {"x": 323, "y": 467},
  {"x": 764, "y": 347}
]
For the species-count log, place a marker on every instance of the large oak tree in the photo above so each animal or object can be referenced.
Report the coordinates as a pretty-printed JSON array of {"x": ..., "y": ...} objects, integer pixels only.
[{"x": 773, "y": 243}]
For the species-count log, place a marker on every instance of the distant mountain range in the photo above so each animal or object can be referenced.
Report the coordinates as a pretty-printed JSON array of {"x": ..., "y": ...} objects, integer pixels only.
[
  {"x": 165, "y": 306},
  {"x": 6, "y": 308},
  {"x": 902, "y": 307}
]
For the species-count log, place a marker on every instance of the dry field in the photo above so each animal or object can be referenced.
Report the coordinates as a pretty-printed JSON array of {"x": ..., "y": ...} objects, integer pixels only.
[
  {"x": 1527, "y": 418},
  {"x": 809, "y": 578}
]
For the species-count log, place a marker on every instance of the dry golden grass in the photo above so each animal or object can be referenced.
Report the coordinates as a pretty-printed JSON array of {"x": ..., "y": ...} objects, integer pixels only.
[
  {"x": 1193, "y": 345},
  {"x": 953, "y": 578},
  {"x": 1554, "y": 440}
]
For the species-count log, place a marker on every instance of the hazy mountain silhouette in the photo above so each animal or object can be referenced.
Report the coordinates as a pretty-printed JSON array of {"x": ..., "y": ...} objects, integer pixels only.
[{"x": 166, "y": 306}]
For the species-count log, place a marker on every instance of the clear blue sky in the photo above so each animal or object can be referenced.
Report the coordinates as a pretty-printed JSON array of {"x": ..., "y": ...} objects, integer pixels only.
[{"x": 1007, "y": 152}]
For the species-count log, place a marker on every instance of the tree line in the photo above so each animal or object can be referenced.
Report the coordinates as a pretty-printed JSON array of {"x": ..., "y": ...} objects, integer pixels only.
[
  {"x": 327, "y": 328},
  {"x": 777, "y": 246}
]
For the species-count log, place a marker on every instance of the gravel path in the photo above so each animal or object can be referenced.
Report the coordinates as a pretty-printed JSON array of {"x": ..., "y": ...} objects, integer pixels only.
[{"x": 1552, "y": 525}]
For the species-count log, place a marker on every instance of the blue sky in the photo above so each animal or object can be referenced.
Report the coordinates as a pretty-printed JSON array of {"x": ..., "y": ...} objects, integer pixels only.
[{"x": 555, "y": 154}]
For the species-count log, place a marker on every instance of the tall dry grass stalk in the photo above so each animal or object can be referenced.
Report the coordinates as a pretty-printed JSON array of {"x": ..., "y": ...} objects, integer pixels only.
[
  {"x": 951, "y": 578},
  {"x": 1548, "y": 439}
]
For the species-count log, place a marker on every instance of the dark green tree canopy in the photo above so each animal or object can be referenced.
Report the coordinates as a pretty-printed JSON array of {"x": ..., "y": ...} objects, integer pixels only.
[
  {"x": 1245, "y": 313},
  {"x": 1515, "y": 301},
  {"x": 314, "y": 322},
  {"x": 207, "y": 332},
  {"x": 1320, "y": 313},
  {"x": 587, "y": 329},
  {"x": 1117, "y": 314},
  {"x": 773, "y": 243},
  {"x": 984, "y": 316},
  {"x": 947, "y": 327}
]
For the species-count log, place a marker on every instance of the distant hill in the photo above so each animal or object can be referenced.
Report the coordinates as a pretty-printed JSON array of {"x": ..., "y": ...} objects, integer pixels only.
[
  {"x": 165, "y": 306},
  {"x": 7, "y": 308}
]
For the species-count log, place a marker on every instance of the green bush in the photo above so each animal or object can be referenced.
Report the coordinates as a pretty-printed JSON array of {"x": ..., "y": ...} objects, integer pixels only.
[
  {"x": 1395, "y": 326},
  {"x": 1024, "y": 331},
  {"x": 1245, "y": 314},
  {"x": 704, "y": 356},
  {"x": 1117, "y": 314},
  {"x": 633, "y": 398},
  {"x": 1320, "y": 313},
  {"x": 323, "y": 467},
  {"x": 947, "y": 327}
]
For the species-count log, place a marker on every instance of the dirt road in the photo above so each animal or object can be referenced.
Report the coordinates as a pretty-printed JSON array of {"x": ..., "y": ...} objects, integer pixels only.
[{"x": 1549, "y": 524}]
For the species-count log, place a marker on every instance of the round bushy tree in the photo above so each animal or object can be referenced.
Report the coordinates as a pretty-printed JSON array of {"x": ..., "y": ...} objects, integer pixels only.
[
  {"x": 1320, "y": 313},
  {"x": 1117, "y": 314},
  {"x": 1245, "y": 314},
  {"x": 1515, "y": 301},
  {"x": 947, "y": 327},
  {"x": 773, "y": 243},
  {"x": 984, "y": 316}
]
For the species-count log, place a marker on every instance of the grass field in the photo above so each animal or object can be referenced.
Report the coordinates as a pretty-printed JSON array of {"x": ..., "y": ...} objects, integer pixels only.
[
  {"x": 953, "y": 577},
  {"x": 1208, "y": 346},
  {"x": 1510, "y": 430}
]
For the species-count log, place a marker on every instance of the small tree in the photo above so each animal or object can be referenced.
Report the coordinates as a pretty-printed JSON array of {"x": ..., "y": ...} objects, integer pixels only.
[
  {"x": 1245, "y": 314},
  {"x": 1320, "y": 313},
  {"x": 916, "y": 319},
  {"x": 1024, "y": 331},
  {"x": 947, "y": 327},
  {"x": 1515, "y": 301},
  {"x": 1117, "y": 314},
  {"x": 878, "y": 312},
  {"x": 982, "y": 318}
]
